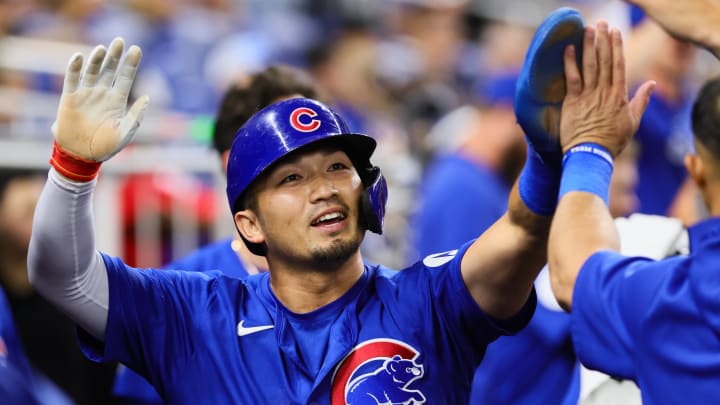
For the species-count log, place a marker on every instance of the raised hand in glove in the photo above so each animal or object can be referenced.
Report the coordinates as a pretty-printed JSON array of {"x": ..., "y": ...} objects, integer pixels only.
[{"x": 93, "y": 122}]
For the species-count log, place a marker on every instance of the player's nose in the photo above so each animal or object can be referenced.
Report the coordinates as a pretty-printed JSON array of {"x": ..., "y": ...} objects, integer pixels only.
[{"x": 322, "y": 188}]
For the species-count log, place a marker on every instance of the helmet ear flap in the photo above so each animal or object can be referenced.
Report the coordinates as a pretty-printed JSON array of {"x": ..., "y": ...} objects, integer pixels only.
[{"x": 374, "y": 199}]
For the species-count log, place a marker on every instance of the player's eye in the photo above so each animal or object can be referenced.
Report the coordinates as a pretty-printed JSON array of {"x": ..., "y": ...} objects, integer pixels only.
[
  {"x": 290, "y": 178},
  {"x": 338, "y": 166}
]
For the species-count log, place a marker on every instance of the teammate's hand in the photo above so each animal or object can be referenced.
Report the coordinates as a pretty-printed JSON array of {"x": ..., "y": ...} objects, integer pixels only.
[
  {"x": 92, "y": 122},
  {"x": 689, "y": 20},
  {"x": 596, "y": 108}
]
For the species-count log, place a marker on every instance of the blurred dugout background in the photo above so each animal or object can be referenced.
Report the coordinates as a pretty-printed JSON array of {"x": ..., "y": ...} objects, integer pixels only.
[{"x": 393, "y": 67}]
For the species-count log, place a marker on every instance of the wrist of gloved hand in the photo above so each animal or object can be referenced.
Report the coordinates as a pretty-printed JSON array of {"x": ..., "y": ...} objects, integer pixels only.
[{"x": 73, "y": 167}]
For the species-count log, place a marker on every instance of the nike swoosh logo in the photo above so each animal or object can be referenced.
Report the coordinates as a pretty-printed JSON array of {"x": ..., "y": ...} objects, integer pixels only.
[{"x": 244, "y": 331}]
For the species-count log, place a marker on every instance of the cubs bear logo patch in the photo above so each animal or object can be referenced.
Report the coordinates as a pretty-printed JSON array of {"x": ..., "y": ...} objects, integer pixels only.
[{"x": 378, "y": 371}]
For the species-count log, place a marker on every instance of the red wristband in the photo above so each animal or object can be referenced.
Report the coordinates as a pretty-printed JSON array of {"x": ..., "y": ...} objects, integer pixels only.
[{"x": 73, "y": 167}]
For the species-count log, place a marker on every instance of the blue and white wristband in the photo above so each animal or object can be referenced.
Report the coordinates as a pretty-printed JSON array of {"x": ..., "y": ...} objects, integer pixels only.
[{"x": 587, "y": 167}]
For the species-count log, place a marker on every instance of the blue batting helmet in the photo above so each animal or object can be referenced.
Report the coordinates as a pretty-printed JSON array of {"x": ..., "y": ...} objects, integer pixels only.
[{"x": 288, "y": 125}]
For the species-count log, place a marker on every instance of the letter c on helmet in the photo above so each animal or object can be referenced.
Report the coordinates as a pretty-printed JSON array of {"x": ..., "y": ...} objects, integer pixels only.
[{"x": 296, "y": 121}]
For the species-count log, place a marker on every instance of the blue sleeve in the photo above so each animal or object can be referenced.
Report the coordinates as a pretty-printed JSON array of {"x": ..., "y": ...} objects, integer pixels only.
[
  {"x": 612, "y": 296},
  {"x": 434, "y": 291},
  {"x": 151, "y": 313}
]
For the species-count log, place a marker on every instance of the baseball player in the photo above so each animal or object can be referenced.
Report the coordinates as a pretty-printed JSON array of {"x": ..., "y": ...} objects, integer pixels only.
[
  {"x": 16, "y": 376},
  {"x": 320, "y": 326},
  {"x": 230, "y": 254},
  {"x": 654, "y": 322}
]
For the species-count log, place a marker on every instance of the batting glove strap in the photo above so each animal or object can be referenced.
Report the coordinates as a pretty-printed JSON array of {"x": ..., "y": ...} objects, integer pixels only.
[{"x": 73, "y": 167}]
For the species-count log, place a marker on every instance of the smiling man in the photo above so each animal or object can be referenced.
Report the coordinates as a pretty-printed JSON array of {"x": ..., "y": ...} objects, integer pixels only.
[{"x": 321, "y": 326}]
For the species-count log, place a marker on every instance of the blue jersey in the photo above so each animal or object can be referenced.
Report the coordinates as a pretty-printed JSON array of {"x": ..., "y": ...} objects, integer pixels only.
[
  {"x": 16, "y": 376},
  {"x": 130, "y": 387},
  {"x": 393, "y": 337},
  {"x": 664, "y": 137},
  {"x": 454, "y": 210},
  {"x": 655, "y": 322}
]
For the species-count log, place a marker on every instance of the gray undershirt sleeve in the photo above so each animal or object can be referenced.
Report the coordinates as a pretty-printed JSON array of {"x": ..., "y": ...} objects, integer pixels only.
[{"x": 63, "y": 264}]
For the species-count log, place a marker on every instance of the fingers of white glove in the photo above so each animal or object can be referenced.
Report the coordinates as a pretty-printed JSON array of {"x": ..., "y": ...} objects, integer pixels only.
[
  {"x": 131, "y": 121},
  {"x": 128, "y": 69},
  {"x": 72, "y": 75},
  {"x": 92, "y": 70},
  {"x": 112, "y": 59}
]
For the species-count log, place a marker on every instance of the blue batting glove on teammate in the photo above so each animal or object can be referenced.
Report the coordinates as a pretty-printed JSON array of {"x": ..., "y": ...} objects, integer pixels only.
[
  {"x": 541, "y": 88},
  {"x": 539, "y": 94}
]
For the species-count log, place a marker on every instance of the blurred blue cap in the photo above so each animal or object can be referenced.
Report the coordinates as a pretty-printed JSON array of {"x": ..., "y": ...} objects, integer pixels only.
[
  {"x": 636, "y": 15},
  {"x": 497, "y": 89}
]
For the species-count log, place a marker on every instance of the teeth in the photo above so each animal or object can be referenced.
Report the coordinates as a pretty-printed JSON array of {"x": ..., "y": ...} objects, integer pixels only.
[{"x": 329, "y": 217}]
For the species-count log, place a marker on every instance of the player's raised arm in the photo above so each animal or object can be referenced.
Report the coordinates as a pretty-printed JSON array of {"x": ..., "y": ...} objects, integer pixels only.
[
  {"x": 92, "y": 125},
  {"x": 500, "y": 267},
  {"x": 697, "y": 21},
  {"x": 597, "y": 122}
]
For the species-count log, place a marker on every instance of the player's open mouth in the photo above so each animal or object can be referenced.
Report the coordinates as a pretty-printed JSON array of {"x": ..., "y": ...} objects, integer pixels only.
[{"x": 329, "y": 219}]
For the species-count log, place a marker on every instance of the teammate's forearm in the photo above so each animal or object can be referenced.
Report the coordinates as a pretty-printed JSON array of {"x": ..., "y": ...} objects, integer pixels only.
[
  {"x": 583, "y": 222},
  {"x": 692, "y": 20},
  {"x": 63, "y": 264},
  {"x": 582, "y": 219}
]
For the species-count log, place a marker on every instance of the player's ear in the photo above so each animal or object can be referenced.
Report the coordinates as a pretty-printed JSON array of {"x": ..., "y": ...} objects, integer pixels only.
[
  {"x": 249, "y": 227},
  {"x": 696, "y": 169}
]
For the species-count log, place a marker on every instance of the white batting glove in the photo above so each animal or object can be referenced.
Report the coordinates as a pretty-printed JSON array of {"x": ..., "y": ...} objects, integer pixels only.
[{"x": 92, "y": 123}]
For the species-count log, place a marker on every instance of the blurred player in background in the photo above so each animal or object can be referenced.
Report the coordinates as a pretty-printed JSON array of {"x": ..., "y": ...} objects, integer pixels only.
[
  {"x": 47, "y": 334},
  {"x": 480, "y": 142},
  {"x": 229, "y": 255},
  {"x": 16, "y": 376}
]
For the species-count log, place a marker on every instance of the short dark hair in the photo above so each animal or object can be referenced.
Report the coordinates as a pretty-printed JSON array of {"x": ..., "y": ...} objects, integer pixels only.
[
  {"x": 241, "y": 101},
  {"x": 706, "y": 117}
]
